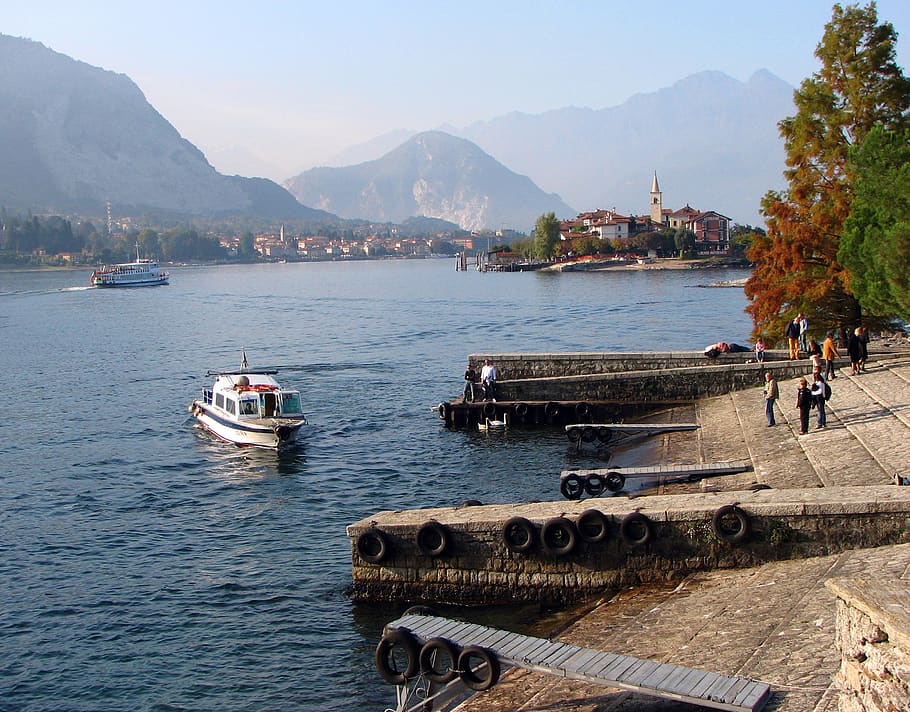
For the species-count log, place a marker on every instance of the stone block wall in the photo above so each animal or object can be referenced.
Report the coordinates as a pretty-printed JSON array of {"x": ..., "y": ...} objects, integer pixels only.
[
  {"x": 478, "y": 567},
  {"x": 872, "y": 634}
]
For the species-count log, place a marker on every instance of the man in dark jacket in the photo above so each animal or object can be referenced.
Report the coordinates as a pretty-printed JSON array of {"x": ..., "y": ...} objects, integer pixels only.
[{"x": 792, "y": 334}]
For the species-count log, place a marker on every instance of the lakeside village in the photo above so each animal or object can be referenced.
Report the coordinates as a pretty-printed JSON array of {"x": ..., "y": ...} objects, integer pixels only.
[{"x": 605, "y": 234}]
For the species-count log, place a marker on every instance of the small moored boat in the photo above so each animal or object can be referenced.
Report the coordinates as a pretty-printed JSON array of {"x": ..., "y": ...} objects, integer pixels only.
[
  {"x": 141, "y": 273},
  {"x": 249, "y": 408}
]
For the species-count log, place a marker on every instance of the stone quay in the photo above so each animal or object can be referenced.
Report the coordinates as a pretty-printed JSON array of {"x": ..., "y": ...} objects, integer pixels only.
[{"x": 828, "y": 631}]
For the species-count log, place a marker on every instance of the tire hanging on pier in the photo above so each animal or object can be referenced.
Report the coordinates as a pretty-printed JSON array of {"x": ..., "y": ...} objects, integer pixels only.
[
  {"x": 572, "y": 486},
  {"x": 521, "y": 411},
  {"x": 443, "y": 410},
  {"x": 582, "y": 410},
  {"x": 574, "y": 435},
  {"x": 615, "y": 481},
  {"x": 593, "y": 526},
  {"x": 478, "y": 668},
  {"x": 559, "y": 536},
  {"x": 594, "y": 485},
  {"x": 551, "y": 409},
  {"x": 489, "y": 410},
  {"x": 439, "y": 660},
  {"x": 603, "y": 434},
  {"x": 518, "y": 535},
  {"x": 433, "y": 539},
  {"x": 588, "y": 434},
  {"x": 636, "y": 529},
  {"x": 397, "y": 656},
  {"x": 373, "y": 546},
  {"x": 731, "y": 524}
]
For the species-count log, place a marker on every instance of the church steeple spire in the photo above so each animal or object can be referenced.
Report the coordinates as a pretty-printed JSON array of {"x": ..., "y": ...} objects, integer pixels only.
[{"x": 657, "y": 213}]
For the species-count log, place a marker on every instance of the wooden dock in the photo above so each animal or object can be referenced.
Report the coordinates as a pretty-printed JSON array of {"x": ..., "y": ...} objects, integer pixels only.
[
  {"x": 573, "y": 483},
  {"x": 647, "y": 677}
]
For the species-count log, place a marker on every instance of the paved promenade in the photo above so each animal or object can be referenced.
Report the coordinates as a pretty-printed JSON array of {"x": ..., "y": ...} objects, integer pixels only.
[{"x": 774, "y": 623}]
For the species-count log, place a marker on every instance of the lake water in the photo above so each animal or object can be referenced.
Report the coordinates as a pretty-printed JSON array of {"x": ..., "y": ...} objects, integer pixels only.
[{"x": 144, "y": 566}]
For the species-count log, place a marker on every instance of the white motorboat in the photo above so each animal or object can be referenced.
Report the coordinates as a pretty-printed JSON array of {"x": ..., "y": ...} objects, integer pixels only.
[
  {"x": 249, "y": 408},
  {"x": 141, "y": 273}
]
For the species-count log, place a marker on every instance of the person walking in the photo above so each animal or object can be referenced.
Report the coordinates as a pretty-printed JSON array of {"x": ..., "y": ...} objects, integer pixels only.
[
  {"x": 818, "y": 395},
  {"x": 855, "y": 351},
  {"x": 771, "y": 394},
  {"x": 829, "y": 353},
  {"x": 488, "y": 376},
  {"x": 864, "y": 339},
  {"x": 804, "y": 404},
  {"x": 792, "y": 334}
]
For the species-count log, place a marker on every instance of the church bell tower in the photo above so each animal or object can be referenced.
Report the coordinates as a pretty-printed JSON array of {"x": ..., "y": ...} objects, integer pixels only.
[{"x": 656, "y": 202}]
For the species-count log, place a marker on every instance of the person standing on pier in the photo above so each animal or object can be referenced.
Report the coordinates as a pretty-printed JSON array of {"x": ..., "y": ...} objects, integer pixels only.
[
  {"x": 771, "y": 394},
  {"x": 792, "y": 334},
  {"x": 804, "y": 404},
  {"x": 829, "y": 353},
  {"x": 488, "y": 378},
  {"x": 818, "y": 394},
  {"x": 803, "y": 333},
  {"x": 470, "y": 378}
]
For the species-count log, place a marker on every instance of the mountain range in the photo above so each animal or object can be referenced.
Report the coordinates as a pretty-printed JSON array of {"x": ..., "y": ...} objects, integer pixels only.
[
  {"x": 712, "y": 139},
  {"x": 74, "y": 137}
]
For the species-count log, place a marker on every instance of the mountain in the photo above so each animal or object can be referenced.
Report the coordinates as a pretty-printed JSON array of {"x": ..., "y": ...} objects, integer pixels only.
[
  {"x": 74, "y": 137},
  {"x": 432, "y": 174},
  {"x": 712, "y": 140}
]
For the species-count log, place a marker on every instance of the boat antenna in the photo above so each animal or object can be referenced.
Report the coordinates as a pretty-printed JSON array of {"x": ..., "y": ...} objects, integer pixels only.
[{"x": 244, "y": 364}]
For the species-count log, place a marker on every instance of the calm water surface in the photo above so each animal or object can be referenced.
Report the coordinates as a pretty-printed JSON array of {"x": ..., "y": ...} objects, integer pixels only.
[{"x": 145, "y": 566}]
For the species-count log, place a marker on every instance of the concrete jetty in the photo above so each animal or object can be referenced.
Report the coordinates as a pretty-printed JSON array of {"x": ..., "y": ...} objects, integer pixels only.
[{"x": 777, "y": 621}]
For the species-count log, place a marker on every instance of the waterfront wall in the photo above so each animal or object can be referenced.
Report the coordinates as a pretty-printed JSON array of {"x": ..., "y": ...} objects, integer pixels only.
[
  {"x": 479, "y": 567},
  {"x": 872, "y": 635}
]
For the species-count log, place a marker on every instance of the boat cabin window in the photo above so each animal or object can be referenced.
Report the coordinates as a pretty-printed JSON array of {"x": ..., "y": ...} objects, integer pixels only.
[
  {"x": 230, "y": 406},
  {"x": 290, "y": 402},
  {"x": 219, "y": 400},
  {"x": 249, "y": 406}
]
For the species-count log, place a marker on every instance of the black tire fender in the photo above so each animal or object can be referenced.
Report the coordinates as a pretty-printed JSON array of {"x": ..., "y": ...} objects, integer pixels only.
[
  {"x": 594, "y": 485},
  {"x": 551, "y": 409},
  {"x": 518, "y": 535},
  {"x": 433, "y": 539},
  {"x": 442, "y": 409},
  {"x": 489, "y": 409},
  {"x": 436, "y": 652},
  {"x": 572, "y": 486},
  {"x": 603, "y": 434},
  {"x": 614, "y": 481},
  {"x": 582, "y": 410},
  {"x": 592, "y": 526},
  {"x": 482, "y": 676},
  {"x": 636, "y": 529},
  {"x": 732, "y": 524},
  {"x": 559, "y": 536},
  {"x": 388, "y": 664},
  {"x": 588, "y": 434},
  {"x": 373, "y": 546},
  {"x": 521, "y": 410},
  {"x": 574, "y": 435}
]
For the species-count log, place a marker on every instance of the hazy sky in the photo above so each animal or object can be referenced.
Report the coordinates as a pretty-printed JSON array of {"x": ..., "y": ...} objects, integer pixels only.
[{"x": 294, "y": 82}]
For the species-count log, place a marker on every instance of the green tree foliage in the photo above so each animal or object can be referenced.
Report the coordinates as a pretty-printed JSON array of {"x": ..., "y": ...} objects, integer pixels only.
[
  {"x": 546, "y": 236},
  {"x": 875, "y": 247},
  {"x": 523, "y": 246},
  {"x": 246, "y": 246},
  {"x": 796, "y": 265},
  {"x": 741, "y": 238},
  {"x": 31, "y": 235},
  {"x": 684, "y": 240}
]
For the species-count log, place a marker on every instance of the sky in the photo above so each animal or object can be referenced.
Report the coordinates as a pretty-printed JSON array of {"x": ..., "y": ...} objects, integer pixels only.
[{"x": 275, "y": 87}]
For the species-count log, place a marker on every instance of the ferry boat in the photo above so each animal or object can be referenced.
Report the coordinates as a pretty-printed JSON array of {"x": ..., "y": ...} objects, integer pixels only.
[
  {"x": 141, "y": 273},
  {"x": 249, "y": 408}
]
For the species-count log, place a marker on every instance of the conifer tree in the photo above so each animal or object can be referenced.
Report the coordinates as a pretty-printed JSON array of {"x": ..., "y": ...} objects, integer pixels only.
[{"x": 858, "y": 86}]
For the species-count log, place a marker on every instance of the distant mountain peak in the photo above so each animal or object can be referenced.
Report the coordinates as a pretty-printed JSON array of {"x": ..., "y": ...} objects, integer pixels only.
[{"x": 432, "y": 174}]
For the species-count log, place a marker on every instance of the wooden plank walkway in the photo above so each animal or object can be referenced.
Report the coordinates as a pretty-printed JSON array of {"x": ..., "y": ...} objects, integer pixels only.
[{"x": 648, "y": 677}]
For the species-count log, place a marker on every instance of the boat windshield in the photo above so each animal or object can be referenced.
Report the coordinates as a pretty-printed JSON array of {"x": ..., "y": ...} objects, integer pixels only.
[
  {"x": 249, "y": 406},
  {"x": 290, "y": 402}
]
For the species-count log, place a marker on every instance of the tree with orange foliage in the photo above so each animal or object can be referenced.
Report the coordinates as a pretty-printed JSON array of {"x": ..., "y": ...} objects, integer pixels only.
[{"x": 858, "y": 87}]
